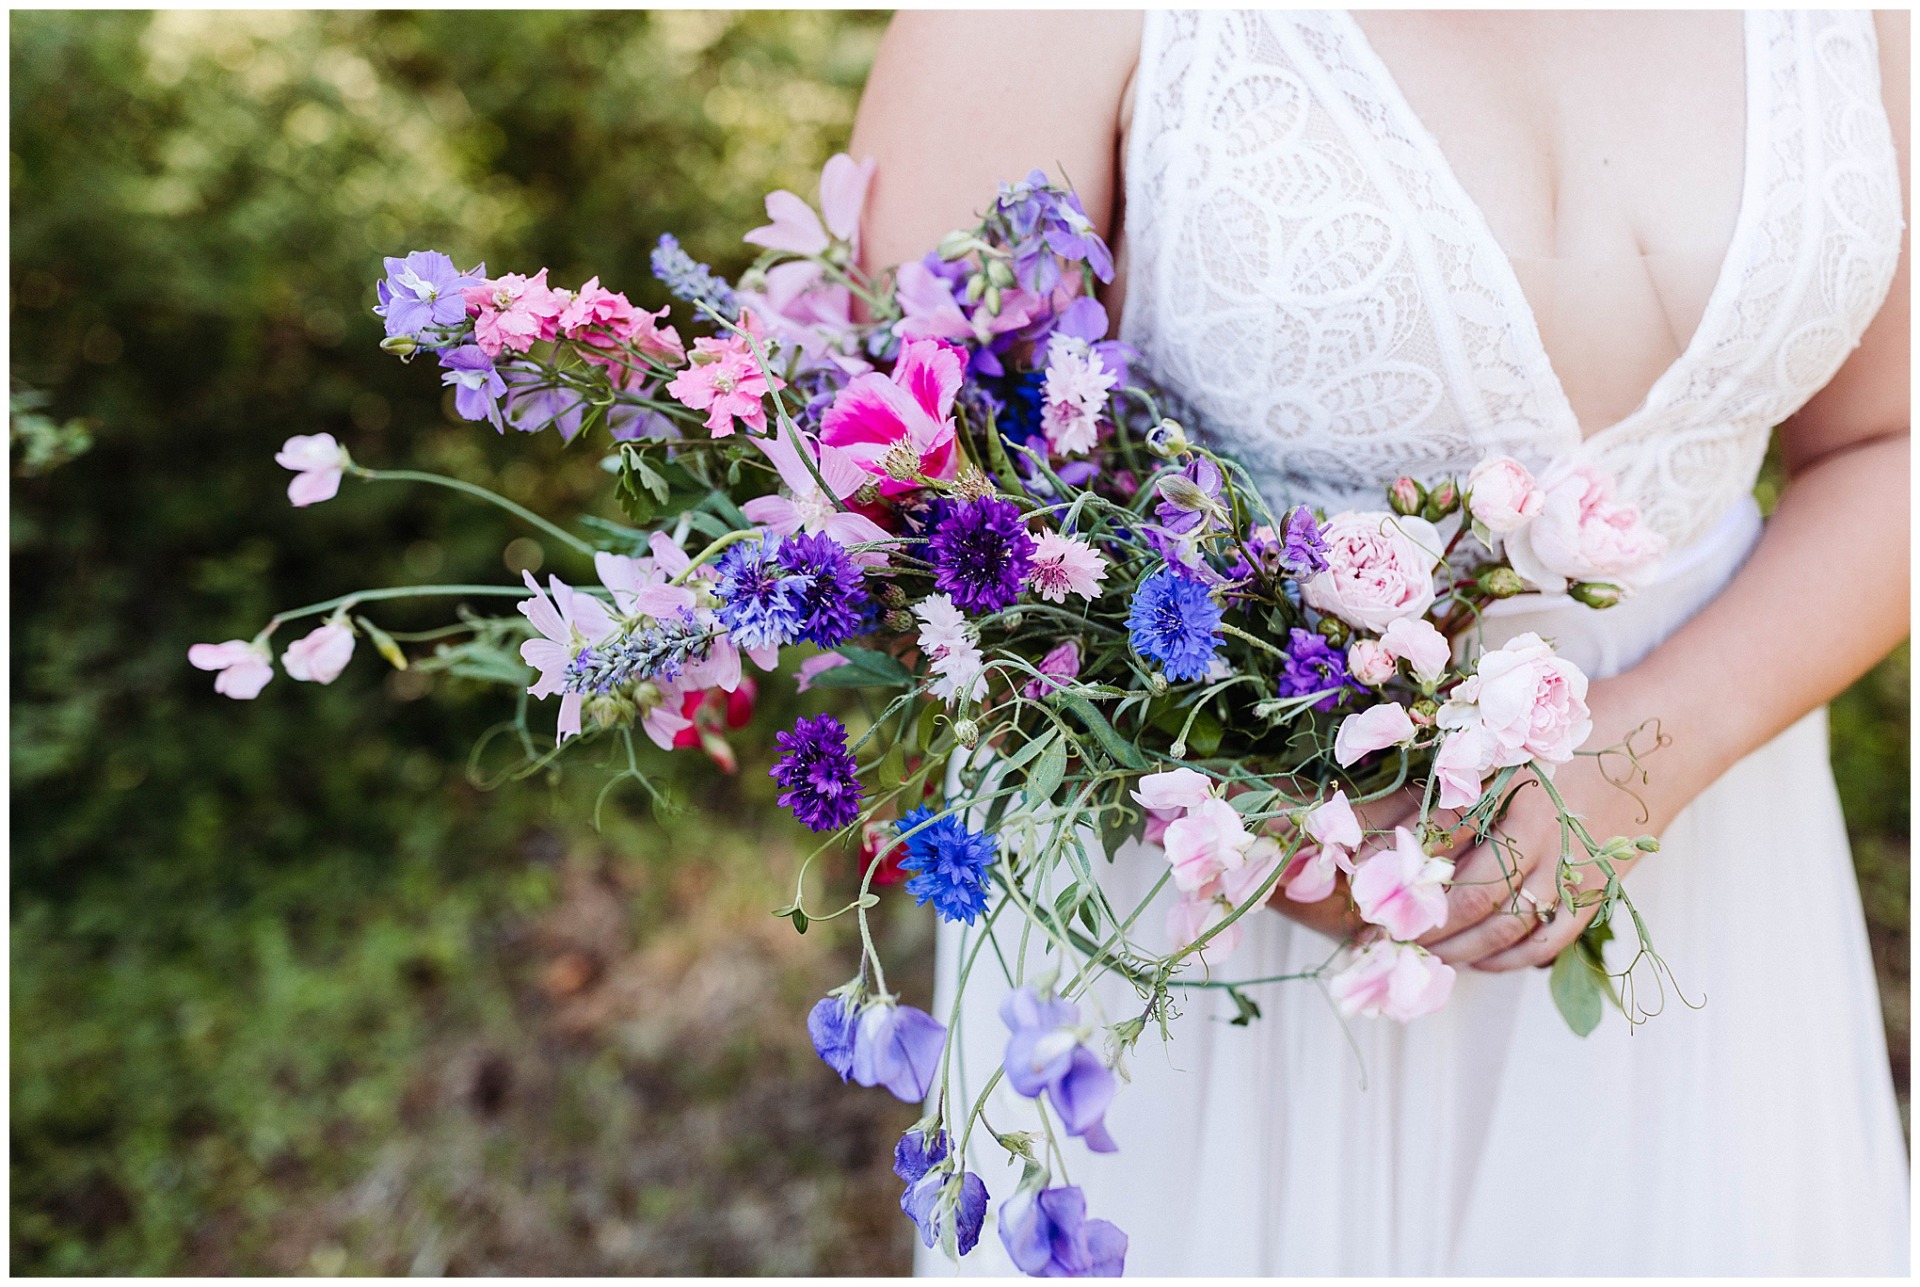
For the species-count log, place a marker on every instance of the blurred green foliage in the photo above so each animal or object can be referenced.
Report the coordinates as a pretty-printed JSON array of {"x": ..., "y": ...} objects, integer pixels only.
[{"x": 287, "y": 992}]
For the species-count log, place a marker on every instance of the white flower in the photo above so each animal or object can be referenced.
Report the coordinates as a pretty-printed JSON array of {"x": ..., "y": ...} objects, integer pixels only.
[
  {"x": 1076, "y": 395},
  {"x": 948, "y": 642}
]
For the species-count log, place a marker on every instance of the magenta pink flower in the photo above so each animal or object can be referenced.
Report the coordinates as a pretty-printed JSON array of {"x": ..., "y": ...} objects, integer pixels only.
[
  {"x": 913, "y": 407},
  {"x": 1403, "y": 890},
  {"x": 567, "y": 622},
  {"x": 1396, "y": 980},
  {"x": 318, "y": 462},
  {"x": 806, "y": 508},
  {"x": 513, "y": 311},
  {"x": 1063, "y": 662},
  {"x": 796, "y": 228},
  {"x": 244, "y": 667},
  {"x": 320, "y": 655},
  {"x": 727, "y": 383},
  {"x": 1063, "y": 565}
]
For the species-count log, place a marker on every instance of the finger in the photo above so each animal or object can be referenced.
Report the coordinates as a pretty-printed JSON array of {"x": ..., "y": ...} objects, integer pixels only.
[
  {"x": 1540, "y": 947},
  {"x": 1513, "y": 920},
  {"x": 1483, "y": 883}
]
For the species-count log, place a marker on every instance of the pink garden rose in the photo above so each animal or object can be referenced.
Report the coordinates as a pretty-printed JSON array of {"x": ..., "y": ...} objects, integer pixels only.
[
  {"x": 1531, "y": 702},
  {"x": 1503, "y": 495},
  {"x": 1369, "y": 662},
  {"x": 1582, "y": 534},
  {"x": 1393, "y": 980},
  {"x": 1403, "y": 890},
  {"x": 1415, "y": 641},
  {"x": 1373, "y": 729},
  {"x": 244, "y": 667},
  {"x": 320, "y": 655},
  {"x": 1379, "y": 569}
]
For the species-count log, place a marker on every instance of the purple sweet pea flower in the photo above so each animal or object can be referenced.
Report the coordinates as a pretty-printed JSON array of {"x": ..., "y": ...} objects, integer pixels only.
[
  {"x": 1048, "y": 1235},
  {"x": 831, "y": 1023},
  {"x": 423, "y": 290},
  {"x": 898, "y": 1047},
  {"x": 1045, "y": 1053},
  {"x": 1190, "y": 500},
  {"x": 477, "y": 387},
  {"x": 532, "y": 404},
  {"x": 915, "y": 1158}
]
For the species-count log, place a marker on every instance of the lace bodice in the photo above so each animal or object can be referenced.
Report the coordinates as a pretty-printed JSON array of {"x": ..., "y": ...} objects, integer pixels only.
[{"x": 1321, "y": 297}]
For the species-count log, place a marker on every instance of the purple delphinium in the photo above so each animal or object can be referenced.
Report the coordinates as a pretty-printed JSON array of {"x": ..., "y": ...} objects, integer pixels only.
[
  {"x": 761, "y": 601},
  {"x": 1305, "y": 550},
  {"x": 949, "y": 862},
  {"x": 817, "y": 774},
  {"x": 898, "y": 1047},
  {"x": 1048, "y": 1235},
  {"x": 1190, "y": 500},
  {"x": 833, "y": 601},
  {"x": 423, "y": 290},
  {"x": 1313, "y": 665},
  {"x": 915, "y": 1158},
  {"x": 1045, "y": 1054},
  {"x": 981, "y": 554},
  {"x": 1041, "y": 219},
  {"x": 831, "y": 1023},
  {"x": 1175, "y": 622},
  {"x": 477, "y": 387}
]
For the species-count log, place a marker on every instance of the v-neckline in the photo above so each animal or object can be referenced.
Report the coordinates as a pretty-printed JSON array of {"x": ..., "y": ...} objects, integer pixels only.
[{"x": 1726, "y": 283}]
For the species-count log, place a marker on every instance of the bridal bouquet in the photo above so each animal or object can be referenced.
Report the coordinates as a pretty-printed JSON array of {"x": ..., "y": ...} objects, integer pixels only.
[{"x": 951, "y": 487}]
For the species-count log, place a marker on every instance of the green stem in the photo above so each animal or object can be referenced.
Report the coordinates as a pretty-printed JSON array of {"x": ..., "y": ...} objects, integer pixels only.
[
  {"x": 474, "y": 489},
  {"x": 392, "y": 592}
]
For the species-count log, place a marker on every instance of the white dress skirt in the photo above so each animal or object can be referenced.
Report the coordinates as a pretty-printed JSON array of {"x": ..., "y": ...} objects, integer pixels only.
[{"x": 1749, "y": 1128}]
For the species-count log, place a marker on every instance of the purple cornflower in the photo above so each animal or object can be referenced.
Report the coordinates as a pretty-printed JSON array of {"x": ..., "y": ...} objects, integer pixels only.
[
  {"x": 1313, "y": 665},
  {"x": 423, "y": 290},
  {"x": 761, "y": 601},
  {"x": 831, "y": 1023},
  {"x": 1046, "y": 1054},
  {"x": 1048, "y": 1235},
  {"x": 952, "y": 864},
  {"x": 833, "y": 602},
  {"x": 691, "y": 280},
  {"x": 981, "y": 554},
  {"x": 477, "y": 387},
  {"x": 898, "y": 1047},
  {"x": 817, "y": 775},
  {"x": 1175, "y": 622},
  {"x": 934, "y": 1196},
  {"x": 1190, "y": 500},
  {"x": 1305, "y": 551}
]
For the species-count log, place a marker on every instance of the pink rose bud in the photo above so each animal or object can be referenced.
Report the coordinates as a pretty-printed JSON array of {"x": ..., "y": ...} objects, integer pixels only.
[
  {"x": 1502, "y": 495},
  {"x": 1406, "y": 496},
  {"x": 1423, "y": 712},
  {"x": 1369, "y": 662},
  {"x": 1441, "y": 501},
  {"x": 1596, "y": 594}
]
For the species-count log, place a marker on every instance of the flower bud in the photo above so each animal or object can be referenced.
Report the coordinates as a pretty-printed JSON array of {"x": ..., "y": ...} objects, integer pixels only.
[
  {"x": 1596, "y": 594},
  {"x": 1441, "y": 501},
  {"x": 991, "y": 298},
  {"x": 966, "y": 732},
  {"x": 892, "y": 595},
  {"x": 610, "y": 710},
  {"x": 1369, "y": 662},
  {"x": 1647, "y": 844},
  {"x": 1000, "y": 273},
  {"x": 1406, "y": 496},
  {"x": 902, "y": 463},
  {"x": 1619, "y": 849},
  {"x": 972, "y": 484},
  {"x": 1423, "y": 712},
  {"x": 1500, "y": 582},
  {"x": 1167, "y": 440},
  {"x": 1178, "y": 750},
  {"x": 1011, "y": 621},
  {"x": 976, "y": 287},
  {"x": 754, "y": 280},
  {"x": 1157, "y": 681},
  {"x": 399, "y": 345},
  {"x": 900, "y": 621},
  {"x": 1334, "y": 631},
  {"x": 955, "y": 244}
]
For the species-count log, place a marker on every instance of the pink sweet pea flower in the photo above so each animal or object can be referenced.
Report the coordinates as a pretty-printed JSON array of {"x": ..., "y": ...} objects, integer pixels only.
[
  {"x": 601, "y": 320},
  {"x": 727, "y": 383},
  {"x": 512, "y": 312},
  {"x": 321, "y": 655},
  {"x": 244, "y": 667},
  {"x": 1336, "y": 834},
  {"x": 1174, "y": 789},
  {"x": 567, "y": 623},
  {"x": 802, "y": 309},
  {"x": 318, "y": 462},
  {"x": 1208, "y": 839},
  {"x": 1062, "y": 662},
  {"x": 1193, "y": 914},
  {"x": 1397, "y": 980},
  {"x": 1403, "y": 890},
  {"x": 843, "y": 195},
  {"x": 913, "y": 406},
  {"x": 1331, "y": 822},
  {"x": 815, "y": 666},
  {"x": 930, "y": 311},
  {"x": 1314, "y": 872},
  {"x": 1373, "y": 729},
  {"x": 1063, "y": 565},
  {"x": 809, "y": 509},
  {"x": 1462, "y": 765},
  {"x": 1415, "y": 641}
]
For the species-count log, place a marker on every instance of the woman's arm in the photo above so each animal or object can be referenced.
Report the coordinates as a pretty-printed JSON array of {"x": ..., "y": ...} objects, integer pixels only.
[
  {"x": 1823, "y": 597},
  {"x": 959, "y": 103}
]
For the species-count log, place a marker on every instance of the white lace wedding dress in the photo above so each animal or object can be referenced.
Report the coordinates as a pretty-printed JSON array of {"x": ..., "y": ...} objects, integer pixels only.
[{"x": 1309, "y": 276}]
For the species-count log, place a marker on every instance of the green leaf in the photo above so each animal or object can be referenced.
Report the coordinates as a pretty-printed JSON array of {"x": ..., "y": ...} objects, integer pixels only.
[
  {"x": 799, "y": 920},
  {"x": 1248, "y": 1009},
  {"x": 926, "y": 728},
  {"x": 1044, "y": 778},
  {"x": 865, "y": 668},
  {"x": 1031, "y": 749},
  {"x": 1577, "y": 989},
  {"x": 1124, "y": 753}
]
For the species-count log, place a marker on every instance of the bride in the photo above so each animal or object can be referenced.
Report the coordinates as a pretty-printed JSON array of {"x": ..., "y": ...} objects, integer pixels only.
[{"x": 1361, "y": 245}]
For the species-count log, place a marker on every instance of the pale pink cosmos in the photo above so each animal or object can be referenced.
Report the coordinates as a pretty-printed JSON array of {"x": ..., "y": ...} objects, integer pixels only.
[
  {"x": 1369, "y": 662},
  {"x": 807, "y": 508},
  {"x": 1582, "y": 534},
  {"x": 1397, "y": 981},
  {"x": 843, "y": 195},
  {"x": 513, "y": 312},
  {"x": 1209, "y": 838},
  {"x": 1416, "y": 641},
  {"x": 1064, "y": 565},
  {"x": 1531, "y": 701},
  {"x": 913, "y": 406},
  {"x": 1373, "y": 729},
  {"x": 930, "y": 312},
  {"x": 1502, "y": 494},
  {"x": 1062, "y": 662},
  {"x": 318, "y": 461},
  {"x": 1403, "y": 890},
  {"x": 1174, "y": 789},
  {"x": 244, "y": 667},
  {"x": 567, "y": 622},
  {"x": 726, "y": 382},
  {"x": 947, "y": 641},
  {"x": 1077, "y": 386},
  {"x": 320, "y": 655}
]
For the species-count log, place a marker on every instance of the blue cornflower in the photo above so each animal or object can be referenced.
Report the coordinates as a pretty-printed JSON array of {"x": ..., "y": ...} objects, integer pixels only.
[
  {"x": 833, "y": 601},
  {"x": 817, "y": 775},
  {"x": 423, "y": 290},
  {"x": 1313, "y": 665},
  {"x": 981, "y": 554},
  {"x": 952, "y": 863},
  {"x": 1175, "y": 622},
  {"x": 762, "y": 603},
  {"x": 692, "y": 280}
]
